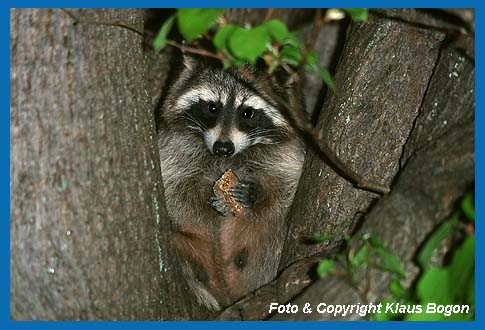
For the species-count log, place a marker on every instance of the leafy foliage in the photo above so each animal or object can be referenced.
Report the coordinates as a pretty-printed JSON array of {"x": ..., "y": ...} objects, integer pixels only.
[
  {"x": 449, "y": 285},
  {"x": 358, "y": 14},
  {"x": 452, "y": 284},
  {"x": 194, "y": 22},
  {"x": 276, "y": 29},
  {"x": 325, "y": 267},
  {"x": 371, "y": 251},
  {"x": 467, "y": 206},
  {"x": 236, "y": 45},
  {"x": 160, "y": 40},
  {"x": 361, "y": 251},
  {"x": 435, "y": 240},
  {"x": 248, "y": 44}
]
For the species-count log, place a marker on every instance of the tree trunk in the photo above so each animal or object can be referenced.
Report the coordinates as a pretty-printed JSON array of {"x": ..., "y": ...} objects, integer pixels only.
[
  {"x": 89, "y": 232},
  {"x": 382, "y": 77},
  {"x": 438, "y": 167},
  {"x": 403, "y": 115}
]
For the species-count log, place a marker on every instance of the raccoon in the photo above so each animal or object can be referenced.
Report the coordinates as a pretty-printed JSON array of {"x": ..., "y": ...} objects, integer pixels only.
[{"x": 213, "y": 120}]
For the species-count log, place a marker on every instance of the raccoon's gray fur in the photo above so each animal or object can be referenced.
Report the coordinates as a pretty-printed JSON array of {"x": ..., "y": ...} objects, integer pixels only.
[{"x": 213, "y": 120}]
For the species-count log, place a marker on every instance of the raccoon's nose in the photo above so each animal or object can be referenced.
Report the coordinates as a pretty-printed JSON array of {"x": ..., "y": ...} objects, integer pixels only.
[{"x": 223, "y": 148}]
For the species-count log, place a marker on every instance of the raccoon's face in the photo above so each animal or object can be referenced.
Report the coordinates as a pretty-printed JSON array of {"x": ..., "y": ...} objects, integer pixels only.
[{"x": 228, "y": 114}]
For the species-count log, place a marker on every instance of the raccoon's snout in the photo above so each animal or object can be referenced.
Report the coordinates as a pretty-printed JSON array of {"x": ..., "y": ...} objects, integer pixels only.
[{"x": 223, "y": 148}]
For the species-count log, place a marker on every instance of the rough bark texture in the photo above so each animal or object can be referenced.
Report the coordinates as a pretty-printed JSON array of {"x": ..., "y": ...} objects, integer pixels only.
[
  {"x": 382, "y": 76},
  {"x": 438, "y": 167},
  {"x": 89, "y": 235},
  {"x": 291, "y": 282},
  {"x": 332, "y": 291},
  {"x": 434, "y": 161}
]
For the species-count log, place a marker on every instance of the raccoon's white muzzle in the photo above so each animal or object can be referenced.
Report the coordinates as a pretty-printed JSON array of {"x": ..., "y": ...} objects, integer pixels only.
[{"x": 217, "y": 142}]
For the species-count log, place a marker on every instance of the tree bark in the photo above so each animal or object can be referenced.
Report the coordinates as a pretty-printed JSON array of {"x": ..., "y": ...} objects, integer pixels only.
[
  {"x": 89, "y": 232},
  {"x": 381, "y": 79},
  {"x": 429, "y": 145},
  {"x": 438, "y": 167}
]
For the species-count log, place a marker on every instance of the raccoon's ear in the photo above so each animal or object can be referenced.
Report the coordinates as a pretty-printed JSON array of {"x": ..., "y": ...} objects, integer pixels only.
[
  {"x": 284, "y": 78},
  {"x": 290, "y": 80},
  {"x": 189, "y": 61}
]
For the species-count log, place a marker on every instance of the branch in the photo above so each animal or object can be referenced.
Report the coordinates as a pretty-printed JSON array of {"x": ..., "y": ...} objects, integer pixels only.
[{"x": 90, "y": 22}]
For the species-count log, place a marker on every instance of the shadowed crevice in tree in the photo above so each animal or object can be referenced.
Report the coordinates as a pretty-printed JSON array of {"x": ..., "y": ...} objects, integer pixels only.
[{"x": 415, "y": 121}]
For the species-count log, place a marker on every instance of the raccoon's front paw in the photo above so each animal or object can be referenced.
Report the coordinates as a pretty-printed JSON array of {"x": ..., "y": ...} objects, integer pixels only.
[
  {"x": 245, "y": 193},
  {"x": 219, "y": 205}
]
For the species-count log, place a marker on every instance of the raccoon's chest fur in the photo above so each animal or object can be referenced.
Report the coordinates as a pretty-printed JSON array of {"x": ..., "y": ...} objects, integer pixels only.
[{"x": 241, "y": 253}]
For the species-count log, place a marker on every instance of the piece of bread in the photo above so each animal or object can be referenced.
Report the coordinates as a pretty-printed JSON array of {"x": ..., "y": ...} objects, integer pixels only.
[{"x": 221, "y": 189}]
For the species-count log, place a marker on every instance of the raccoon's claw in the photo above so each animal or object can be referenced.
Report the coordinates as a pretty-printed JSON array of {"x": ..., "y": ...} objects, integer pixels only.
[
  {"x": 245, "y": 193},
  {"x": 219, "y": 205}
]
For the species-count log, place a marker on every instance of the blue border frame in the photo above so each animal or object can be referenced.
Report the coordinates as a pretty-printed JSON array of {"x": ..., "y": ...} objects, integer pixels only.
[
  {"x": 240, "y": 4},
  {"x": 5, "y": 6},
  {"x": 5, "y": 166}
]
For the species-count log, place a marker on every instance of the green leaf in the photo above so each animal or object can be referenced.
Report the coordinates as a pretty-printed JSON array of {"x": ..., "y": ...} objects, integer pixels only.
[
  {"x": 194, "y": 22},
  {"x": 249, "y": 44},
  {"x": 226, "y": 65},
  {"x": 222, "y": 35},
  {"x": 470, "y": 294},
  {"x": 327, "y": 78},
  {"x": 312, "y": 58},
  {"x": 160, "y": 40},
  {"x": 292, "y": 39},
  {"x": 373, "y": 240},
  {"x": 382, "y": 316},
  {"x": 467, "y": 206},
  {"x": 325, "y": 267},
  {"x": 450, "y": 284},
  {"x": 291, "y": 55},
  {"x": 358, "y": 14},
  {"x": 276, "y": 29},
  {"x": 321, "y": 237},
  {"x": 362, "y": 255},
  {"x": 397, "y": 290},
  {"x": 389, "y": 262},
  {"x": 231, "y": 60},
  {"x": 433, "y": 242},
  {"x": 314, "y": 65},
  {"x": 434, "y": 286},
  {"x": 461, "y": 268}
]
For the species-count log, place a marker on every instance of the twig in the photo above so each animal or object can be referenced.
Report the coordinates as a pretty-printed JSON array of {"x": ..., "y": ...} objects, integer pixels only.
[
  {"x": 269, "y": 14},
  {"x": 310, "y": 42},
  {"x": 90, "y": 22},
  {"x": 284, "y": 65},
  {"x": 198, "y": 51},
  {"x": 172, "y": 43}
]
